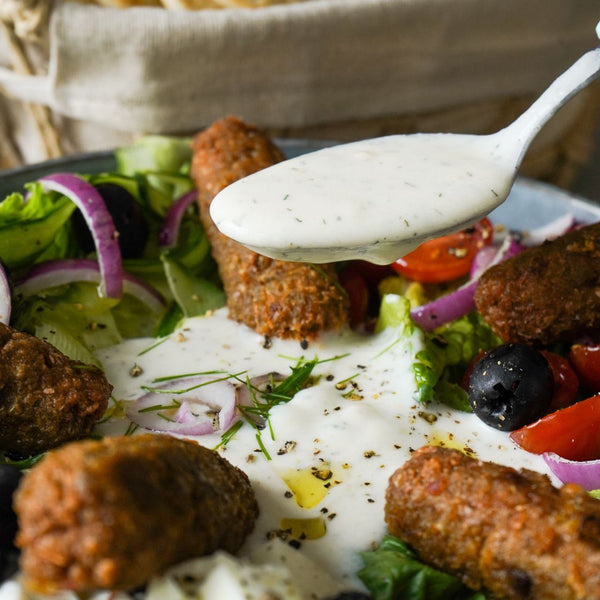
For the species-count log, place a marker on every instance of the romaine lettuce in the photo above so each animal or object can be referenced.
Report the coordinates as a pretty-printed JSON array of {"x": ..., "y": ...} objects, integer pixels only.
[{"x": 439, "y": 367}]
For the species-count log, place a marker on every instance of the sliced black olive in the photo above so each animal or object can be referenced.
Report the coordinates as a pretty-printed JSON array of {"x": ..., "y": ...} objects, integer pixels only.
[
  {"x": 128, "y": 217},
  {"x": 511, "y": 386}
]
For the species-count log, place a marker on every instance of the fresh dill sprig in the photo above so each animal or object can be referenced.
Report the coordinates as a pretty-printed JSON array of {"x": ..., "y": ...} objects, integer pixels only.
[
  {"x": 262, "y": 401},
  {"x": 229, "y": 434},
  {"x": 348, "y": 379},
  {"x": 159, "y": 390},
  {"x": 262, "y": 446},
  {"x": 185, "y": 375},
  {"x": 157, "y": 407},
  {"x": 155, "y": 345},
  {"x": 131, "y": 429}
]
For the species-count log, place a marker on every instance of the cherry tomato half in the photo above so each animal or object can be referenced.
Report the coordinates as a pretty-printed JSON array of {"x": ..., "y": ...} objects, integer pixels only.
[
  {"x": 572, "y": 432},
  {"x": 586, "y": 362},
  {"x": 445, "y": 258},
  {"x": 566, "y": 382}
]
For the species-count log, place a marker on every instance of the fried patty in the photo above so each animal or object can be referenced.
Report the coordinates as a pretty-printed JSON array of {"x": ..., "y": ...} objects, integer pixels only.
[
  {"x": 46, "y": 398},
  {"x": 547, "y": 293},
  {"x": 275, "y": 298},
  {"x": 507, "y": 532},
  {"x": 113, "y": 513}
]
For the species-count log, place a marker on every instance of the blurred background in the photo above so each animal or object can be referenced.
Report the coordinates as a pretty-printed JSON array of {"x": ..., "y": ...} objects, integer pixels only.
[{"x": 81, "y": 76}]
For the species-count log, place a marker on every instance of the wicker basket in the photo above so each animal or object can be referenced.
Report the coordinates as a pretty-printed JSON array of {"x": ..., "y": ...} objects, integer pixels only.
[{"x": 557, "y": 155}]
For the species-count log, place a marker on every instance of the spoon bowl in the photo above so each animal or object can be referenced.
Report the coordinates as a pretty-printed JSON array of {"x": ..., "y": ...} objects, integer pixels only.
[{"x": 378, "y": 199}]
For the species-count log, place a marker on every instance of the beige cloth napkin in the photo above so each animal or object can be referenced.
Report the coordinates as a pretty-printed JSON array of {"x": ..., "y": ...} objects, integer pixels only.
[{"x": 318, "y": 61}]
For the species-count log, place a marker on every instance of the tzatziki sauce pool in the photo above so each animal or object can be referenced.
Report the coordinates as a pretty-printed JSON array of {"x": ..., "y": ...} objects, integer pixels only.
[{"x": 333, "y": 447}]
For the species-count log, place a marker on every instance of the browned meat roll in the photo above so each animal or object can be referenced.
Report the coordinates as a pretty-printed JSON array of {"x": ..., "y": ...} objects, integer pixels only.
[
  {"x": 507, "y": 532},
  {"x": 46, "y": 398},
  {"x": 113, "y": 513},
  {"x": 275, "y": 298},
  {"x": 547, "y": 293}
]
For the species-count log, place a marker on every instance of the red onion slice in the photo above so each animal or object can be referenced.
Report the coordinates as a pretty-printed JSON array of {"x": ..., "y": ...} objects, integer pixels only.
[
  {"x": 585, "y": 473},
  {"x": 59, "y": 272},
  {"x": 101, "y": 226},
  {"x": 482, "y": 261},
  {"x": 446, "y": 308},
  {"x": 188, "y": 406},
  {"x": 461, "y": 301},
  {"x": 169, "y": 231},
  {"x": 5, "y": 297}
]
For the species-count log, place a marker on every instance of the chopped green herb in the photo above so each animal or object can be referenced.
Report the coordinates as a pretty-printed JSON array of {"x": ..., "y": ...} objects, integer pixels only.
[
  {"x": 229, "y": 434},
  {"x": 262, "y": 401},
  {"x": 185, "y": 375},
  {"x": 156, "y": 407},
  {"x": 146, "y": 350},
  {"x": 262, "y": 446},
  {"x": 192, "y": 387}
]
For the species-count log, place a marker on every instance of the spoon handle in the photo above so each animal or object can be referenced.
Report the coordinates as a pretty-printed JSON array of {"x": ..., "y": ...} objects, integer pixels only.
[{"x": 563, "y": 88}]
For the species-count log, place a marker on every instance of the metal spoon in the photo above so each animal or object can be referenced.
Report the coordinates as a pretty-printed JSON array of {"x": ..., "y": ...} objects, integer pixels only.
[{"x": 378, "y": 199}]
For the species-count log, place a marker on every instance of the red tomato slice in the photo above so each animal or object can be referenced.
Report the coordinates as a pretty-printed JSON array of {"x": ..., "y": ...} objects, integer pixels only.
[
  {"x": 566, "y": 382},
  {"x": 586, "y": 362},
  {"x": 572, "y": 432},
  {"x": 445, "y": 258}
]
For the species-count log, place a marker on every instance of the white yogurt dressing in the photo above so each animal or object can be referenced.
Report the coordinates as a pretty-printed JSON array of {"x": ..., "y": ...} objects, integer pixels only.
[
  {"x": 360, "y": 421},
  {"x": 375, "y": 199}
]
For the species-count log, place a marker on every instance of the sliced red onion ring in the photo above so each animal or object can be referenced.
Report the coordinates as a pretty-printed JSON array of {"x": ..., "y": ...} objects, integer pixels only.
[
  {"x": 5, "y": 297},
  {"x": 482, "y": 261},
  {"x": 170, "y": 228},
  {"x": 585, "y": 473},
  {"x": 59, "y": 272},
  {"x": 461, "y": 301},
  {"x": 101, "y": 226},
  {"x": 550, "y": 231},
  {"x": 187, "y": 406}
]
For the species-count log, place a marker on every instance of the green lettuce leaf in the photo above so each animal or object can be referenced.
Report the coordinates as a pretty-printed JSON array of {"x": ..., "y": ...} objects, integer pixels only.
[
  {"x": 194, "y": 295},
  {"x": 191, "y": 272},
  {"x": 394, "y": 572},
  {"x": 155, "y": 153},
  {"x": 78, "y": 322},
  {"x": 34, "y": 229},
  {"x": 394, "y": 311},
  {"x": 440, "y": 366}
]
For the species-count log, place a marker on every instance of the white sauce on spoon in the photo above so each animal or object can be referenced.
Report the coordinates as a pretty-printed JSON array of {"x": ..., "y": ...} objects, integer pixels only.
[
  {"x": 359, "y": 422},
  {"x": 378, "y": 199},
  {"x": 374, "y": 199}
]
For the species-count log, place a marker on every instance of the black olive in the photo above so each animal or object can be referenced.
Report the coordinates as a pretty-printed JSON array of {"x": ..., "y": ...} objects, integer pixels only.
[
  {"x": 511, "y": 386},
  {"x": 9, "y": 480},
  {"x": 128, "y": 217}
]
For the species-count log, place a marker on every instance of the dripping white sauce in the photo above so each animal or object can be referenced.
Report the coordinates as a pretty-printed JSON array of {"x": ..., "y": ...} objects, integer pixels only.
[
  {"x": 374, "y": 199},
  {"x": 360, "y": 421}
]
